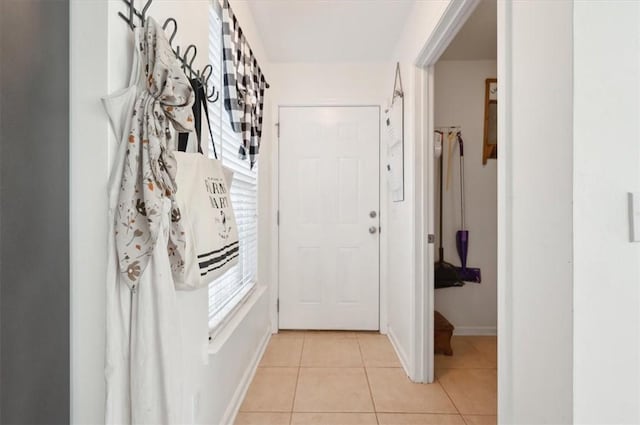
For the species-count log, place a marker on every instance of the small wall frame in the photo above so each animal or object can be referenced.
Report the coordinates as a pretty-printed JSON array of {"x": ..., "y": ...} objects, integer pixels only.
[{"x": 490, "y": 144}]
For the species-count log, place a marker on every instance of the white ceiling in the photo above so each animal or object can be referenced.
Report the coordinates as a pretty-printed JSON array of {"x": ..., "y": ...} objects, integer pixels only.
[
  {"x": 478, "y": 37},
  {"x": 330, "y": 30}
]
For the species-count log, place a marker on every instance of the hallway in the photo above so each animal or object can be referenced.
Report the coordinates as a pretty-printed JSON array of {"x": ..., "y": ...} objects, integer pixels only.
[{"x": 355, "y": 378}]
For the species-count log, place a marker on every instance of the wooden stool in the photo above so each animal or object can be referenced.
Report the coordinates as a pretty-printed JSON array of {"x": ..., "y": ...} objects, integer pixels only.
[{"x": 443, "y": 331}]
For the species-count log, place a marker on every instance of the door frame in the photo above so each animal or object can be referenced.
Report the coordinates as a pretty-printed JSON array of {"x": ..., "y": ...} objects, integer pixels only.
[
  {"x": 454, "y": 17},
  {"x": 452, "y": 20},
  {"x": 275, "y": 207}
]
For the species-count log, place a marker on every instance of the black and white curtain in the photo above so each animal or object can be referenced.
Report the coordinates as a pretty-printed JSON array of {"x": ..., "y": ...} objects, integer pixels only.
[{"x": 244, "y": 85}]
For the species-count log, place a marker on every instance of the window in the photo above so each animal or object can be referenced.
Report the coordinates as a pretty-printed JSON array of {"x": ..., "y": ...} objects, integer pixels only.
[{"x": 227, "y": 292}]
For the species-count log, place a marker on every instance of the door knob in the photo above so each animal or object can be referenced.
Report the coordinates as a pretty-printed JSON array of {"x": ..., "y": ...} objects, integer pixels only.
[
  {"x": 373, "y": 214},
  {"x": 372, "y": 229}
]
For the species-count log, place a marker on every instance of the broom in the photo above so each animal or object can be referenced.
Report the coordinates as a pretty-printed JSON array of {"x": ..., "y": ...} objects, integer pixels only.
[{"x": 446, "y": 274}]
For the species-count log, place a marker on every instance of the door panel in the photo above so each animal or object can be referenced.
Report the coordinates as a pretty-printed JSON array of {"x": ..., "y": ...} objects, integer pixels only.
[{"x": 329, "y": 184}]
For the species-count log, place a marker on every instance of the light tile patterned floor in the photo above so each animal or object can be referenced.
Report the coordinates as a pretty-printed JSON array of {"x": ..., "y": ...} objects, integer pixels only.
[{"x": 355, "y": 378}]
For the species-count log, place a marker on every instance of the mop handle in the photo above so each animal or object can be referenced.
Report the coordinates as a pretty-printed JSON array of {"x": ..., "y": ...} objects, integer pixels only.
[
  {"x": 440, "y": 194},
  {"x": 461, "y": 145},
  {"x": 451, "y": 138}
]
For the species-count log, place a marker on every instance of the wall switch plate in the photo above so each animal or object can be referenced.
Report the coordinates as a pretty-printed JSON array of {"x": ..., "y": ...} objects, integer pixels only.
[{"x": 634, "y": 216}]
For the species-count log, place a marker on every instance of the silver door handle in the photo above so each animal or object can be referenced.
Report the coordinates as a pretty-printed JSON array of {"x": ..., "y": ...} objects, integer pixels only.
[{"x": 373, "y": 229}]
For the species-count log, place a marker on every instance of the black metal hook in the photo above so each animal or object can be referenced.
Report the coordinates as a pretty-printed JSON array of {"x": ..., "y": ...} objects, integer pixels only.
[
  {"x": 211, "y": 98},
  {"x": 190, "y": 63},
  {"x": 131, "y": 9},
  {"x": 204, "y": 75},
  {"x": 146, "y": 7},
  {"x": 215, "y": 94},
  {"x": 187, "y": 60},
  {"x": 128, "y": 20},
  {"x": 204, "y": 78},
  {"x": 175, "y": 29}
]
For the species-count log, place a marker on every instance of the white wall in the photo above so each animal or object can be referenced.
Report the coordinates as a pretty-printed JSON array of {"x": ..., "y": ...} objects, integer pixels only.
[
  {"x": 606, "y": 167},
  {"x": 100, "y": 65},
  {"x": 570, "y": 271},
  {"x": 459, "y": 100},
  {"x": 535, "y": 173},
  {"x": 402, "y": 264},
  {"x": 356, "y": 83}
]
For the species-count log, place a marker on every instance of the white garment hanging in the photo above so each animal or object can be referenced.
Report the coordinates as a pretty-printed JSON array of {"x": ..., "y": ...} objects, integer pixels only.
[{"x": 143, "y": 369}]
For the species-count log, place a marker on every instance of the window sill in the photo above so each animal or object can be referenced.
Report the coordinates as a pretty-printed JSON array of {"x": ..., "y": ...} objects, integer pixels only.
[{"x": 224, "y": 333}]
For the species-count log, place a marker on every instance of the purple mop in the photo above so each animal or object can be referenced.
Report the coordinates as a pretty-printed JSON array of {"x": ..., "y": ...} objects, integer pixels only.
[{"x": 467, "y": 274}]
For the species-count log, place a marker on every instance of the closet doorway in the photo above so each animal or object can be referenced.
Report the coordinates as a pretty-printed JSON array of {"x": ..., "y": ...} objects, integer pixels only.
[
  {"x": 465, "y": 95},
  {"x": 458, "y": 64},
  {"x": 329, "y": 217}
]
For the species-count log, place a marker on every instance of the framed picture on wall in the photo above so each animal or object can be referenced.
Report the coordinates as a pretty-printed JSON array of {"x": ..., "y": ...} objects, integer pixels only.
[{"x": 490, "y": 145}]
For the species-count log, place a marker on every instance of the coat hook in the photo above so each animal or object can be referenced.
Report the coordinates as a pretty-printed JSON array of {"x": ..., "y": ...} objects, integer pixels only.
[
  {"x": 204, "y": 78},
  {"x": 207, "y": 71},
  {"x": 215, "y": 94},
  {"x": 146, "y": 7},
  {"x": 131, "y": 14},
  {"x": 175, "y": 29},
  {"x": 211, "y": 98},
  {"x": 206, "y": 75},
  {"x": 190, "y": 63},
  {"x": 128, "y": 20}
]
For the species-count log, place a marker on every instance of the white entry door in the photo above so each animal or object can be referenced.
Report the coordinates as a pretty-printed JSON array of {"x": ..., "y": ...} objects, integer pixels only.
[{"x": 329, "y": 218}]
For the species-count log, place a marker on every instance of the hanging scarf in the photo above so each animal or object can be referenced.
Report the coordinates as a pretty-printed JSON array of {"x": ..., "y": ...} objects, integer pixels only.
[
  {"x": 244, "y": 86},
  {"x": 161, "y": 110}
]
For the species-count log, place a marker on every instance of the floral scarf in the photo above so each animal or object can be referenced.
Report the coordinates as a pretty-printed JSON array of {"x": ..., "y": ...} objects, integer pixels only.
[{"x": 148, "y": 178}]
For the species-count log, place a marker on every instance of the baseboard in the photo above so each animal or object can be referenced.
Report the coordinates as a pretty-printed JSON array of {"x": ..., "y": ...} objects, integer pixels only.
[
  {"x": 230, "y": 414},
  {"x": 402, "y": 356},
  {"x": 476, "y": 331}
]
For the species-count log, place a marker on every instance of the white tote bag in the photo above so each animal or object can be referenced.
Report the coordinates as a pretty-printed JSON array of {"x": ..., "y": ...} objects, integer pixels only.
[{"x": 210, "y": 226}]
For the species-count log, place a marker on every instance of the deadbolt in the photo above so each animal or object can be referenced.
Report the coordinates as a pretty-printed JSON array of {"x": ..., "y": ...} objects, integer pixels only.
[
  {"x": 373, "y": 229},
  {"x": 373, "y": 214}
]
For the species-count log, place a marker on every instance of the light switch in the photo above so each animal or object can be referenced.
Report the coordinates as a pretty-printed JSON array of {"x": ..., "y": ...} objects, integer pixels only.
[{"x": 634, "y": 216}]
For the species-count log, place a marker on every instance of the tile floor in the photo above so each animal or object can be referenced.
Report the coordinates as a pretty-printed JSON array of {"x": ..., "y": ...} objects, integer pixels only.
[{"x": 349, "y": 378}]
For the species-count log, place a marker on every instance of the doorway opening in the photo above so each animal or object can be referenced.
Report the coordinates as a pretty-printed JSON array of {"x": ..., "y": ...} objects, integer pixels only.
[
  {"x": 465, "y": 180},
  {"x": 465, "y": 208},
  {"x": 459, "y": 63}
]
